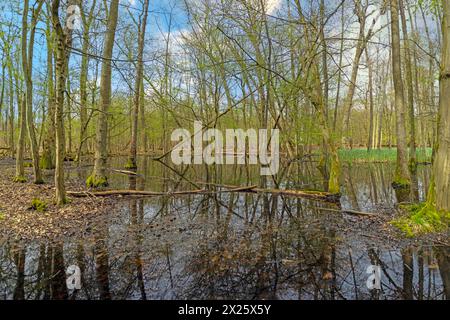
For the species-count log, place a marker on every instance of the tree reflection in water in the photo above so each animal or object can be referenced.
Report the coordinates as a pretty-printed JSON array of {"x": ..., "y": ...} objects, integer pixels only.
[{"x": 233, "y": 246}]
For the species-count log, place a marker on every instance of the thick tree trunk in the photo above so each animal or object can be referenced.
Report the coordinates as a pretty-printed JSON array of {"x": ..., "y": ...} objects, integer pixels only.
[
  {"x": 59, "y": 118},
  {"x": 48, "y": 155},
  {"x": 137, "y": 93},
  {"x": 98, "y": 177},
  {"x": 402, "y": 172},
  {"x": 409, "y": 86},
  {"x": 63, "y": 41},
  {"x": 442, "y": 156}
]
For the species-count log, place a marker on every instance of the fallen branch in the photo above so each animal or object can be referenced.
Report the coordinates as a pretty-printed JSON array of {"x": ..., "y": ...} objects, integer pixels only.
[
  {"x": 314, "y": 195},
  {"x": 348, "y": 211},
  {"x": 127, "y": 172},
  {"x": 108, "y": 193}
]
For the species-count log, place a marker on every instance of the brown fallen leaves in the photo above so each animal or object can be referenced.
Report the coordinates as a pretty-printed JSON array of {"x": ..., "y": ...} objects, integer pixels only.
[{"x": 20, "y": 222}]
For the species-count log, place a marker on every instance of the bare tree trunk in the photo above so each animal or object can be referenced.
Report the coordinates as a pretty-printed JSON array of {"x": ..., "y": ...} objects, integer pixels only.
[
  {"x": 98, "y": 177},
  {"x": 9, "y": 109},
  {"x": 361, "y": 44},
  {"x": 137, "y": 91},
  {"x": 11, "y": 104},
  {"x": 442, "y": 156},
  {"x": 431, "y": 92},
  {"x": 371, "y": 113},
  {"x": 48, "y": 155},
  {"x": 384, "y": 102},
  {"x": 87, "y": 22},
  {"x": 20, "y": 170},
  {"x": 409, "y": 86},
  {"x": 341, "y": 57},
  {"x": 63, "y": 41},
  {"x": 402, "y": 173},
  {"x": 144, "y": 139},
  {"x": 2, "y": 93},
  {"x": 69, "y": 118},
  {"x": 416, "y": 95},
  {"x": 27, "y": 66}
]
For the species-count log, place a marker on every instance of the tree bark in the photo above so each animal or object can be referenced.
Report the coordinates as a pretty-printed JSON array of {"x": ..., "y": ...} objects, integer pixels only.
[
  {"x": 409, "y": 87},
  {"x": 363, "y": 38},
  {"x": 370, "y": 142},
  {"x": 20, "y": 170},
  {"x": 402, "y": 177},
  {"x": 27, "y": 66},
  {"x": 98, "y": 177},
  {"x": 87, "y": 22},
  {"x": 132, "y": 164},
  {"x": 63, "y": 42},
  {"x": 442, "y": 156},
  {"x": 11, "y": 111},
  {"x": 48, "y": 155}
]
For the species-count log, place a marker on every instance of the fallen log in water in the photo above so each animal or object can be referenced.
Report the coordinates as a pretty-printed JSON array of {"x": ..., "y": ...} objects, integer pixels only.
[
  {"x": 349, "y": 211},
  {"x": 107, "y": 193},
  {"x": 314, "y": 195},
  {"x": 308, "y": 194}
]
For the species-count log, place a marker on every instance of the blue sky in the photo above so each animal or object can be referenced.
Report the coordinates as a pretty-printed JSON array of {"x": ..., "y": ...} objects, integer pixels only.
[{"x": 162, "y": 13}]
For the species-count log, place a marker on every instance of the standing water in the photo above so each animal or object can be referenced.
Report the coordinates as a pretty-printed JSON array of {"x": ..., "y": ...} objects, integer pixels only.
[{"x": 233, "y": 245}]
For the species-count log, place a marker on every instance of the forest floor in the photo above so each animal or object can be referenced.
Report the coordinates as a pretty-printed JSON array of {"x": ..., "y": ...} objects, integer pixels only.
[{"x": 19, "y": 220}]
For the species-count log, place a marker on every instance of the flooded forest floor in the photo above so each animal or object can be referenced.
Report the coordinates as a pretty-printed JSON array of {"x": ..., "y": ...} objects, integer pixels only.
[
  {"x": 24, "y": 220},
  {"x": 215, "y": 245}
]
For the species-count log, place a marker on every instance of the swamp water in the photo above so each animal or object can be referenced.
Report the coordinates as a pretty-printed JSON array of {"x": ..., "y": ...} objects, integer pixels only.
[{"x": 233, "y": 245}]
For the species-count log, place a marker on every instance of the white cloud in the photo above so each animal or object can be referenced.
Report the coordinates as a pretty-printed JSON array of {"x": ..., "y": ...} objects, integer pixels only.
[{"x": 272, "y": 6}]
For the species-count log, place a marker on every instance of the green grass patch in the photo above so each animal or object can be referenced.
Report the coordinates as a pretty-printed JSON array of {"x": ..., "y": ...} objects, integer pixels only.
[
  {"x": 2, "y": 216},
  {"x": 420, "y": 219},
  {"x": 380, "y": 155},
  {"x": 38, "y": 205}
]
